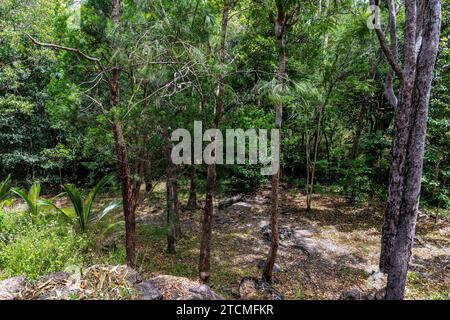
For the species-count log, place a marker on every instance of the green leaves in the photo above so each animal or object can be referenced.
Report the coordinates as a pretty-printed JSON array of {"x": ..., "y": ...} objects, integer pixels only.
[
  {"x": 81, "y": 210},
  {"x": 4, "y": 189},
  {"x": 31, "y": 199}
]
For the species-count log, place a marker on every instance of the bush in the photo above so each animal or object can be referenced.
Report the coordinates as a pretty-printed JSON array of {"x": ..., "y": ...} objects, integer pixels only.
[
  {"x": 38, "y": 249},
  {"x": 356, "y": 184}
]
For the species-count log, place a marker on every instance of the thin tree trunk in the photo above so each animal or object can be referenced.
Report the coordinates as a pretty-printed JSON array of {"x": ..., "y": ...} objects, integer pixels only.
[
  {"x": 359, "y": 127},
  {"x": 205, "y": 244},
  {"x": 173, "y": 221},
  {"x": 171, "y": 211},
  {"x": 192, "y": 201},
  {"x": 327, "y": 147},
  {"x": 279, "y": 25},
  {"x": 128, "y": 196},
  {"x": 124, "y": 176},
  {"x": 145, "y": 141}
]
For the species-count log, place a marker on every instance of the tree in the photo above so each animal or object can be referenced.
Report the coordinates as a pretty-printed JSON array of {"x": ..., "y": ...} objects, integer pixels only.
[
  {"x": 210, "y": 205},
  {"x": 286, "y": 16},
  {"x": 421, "y": 41}
]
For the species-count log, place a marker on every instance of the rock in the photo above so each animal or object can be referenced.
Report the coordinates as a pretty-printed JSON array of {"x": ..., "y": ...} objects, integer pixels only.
[
  {"x": 148, "y": 291},
  {"x": 262, "y": 265},
  {"x": 242, "y": 206},
  {"x": 203, "y": 292},
  {"x": 307, "y": 245},
  {"x": 11, "y": 288},
  {"x": 54, "y": 286},
  {"x": 179, "y": 288},
  {"x": 376, "y": 280},
  {"x": 300, "y": 233},
  {"x": 285, "y": 233},
  {"x": 350, "y": 295},
  {"x": 56, "y": 276},
  {"x": 249, "y": 288},
  {"x": 229, "y": 201},
  {"x": 252, "y": 288}
]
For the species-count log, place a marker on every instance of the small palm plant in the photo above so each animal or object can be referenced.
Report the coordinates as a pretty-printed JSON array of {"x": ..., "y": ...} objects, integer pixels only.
[
  {"x": 31, "y": 199},
  {"x": 82, "y": 210},
  {"x": 4, "y": 190}
]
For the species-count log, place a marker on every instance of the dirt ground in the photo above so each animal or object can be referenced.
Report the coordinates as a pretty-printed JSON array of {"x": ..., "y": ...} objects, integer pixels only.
[{"x": 330, "y": 249}]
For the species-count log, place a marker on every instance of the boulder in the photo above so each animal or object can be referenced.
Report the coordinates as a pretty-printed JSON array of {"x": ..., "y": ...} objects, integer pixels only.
[
  {"x": 179, "y": 288},
  {"x": 242, "y": 206},
  {"x": 148, "y": 291},
  {"x": 307, "y": 245},
  {"x": 11, "y": 288},
  {"x": 376, "y": 280},
  {"x": 262, "y": 266},
  {"x": 284, "y": 233},
  {"x": 203, "y": 292},
  {"x": 53, "y": 286}
]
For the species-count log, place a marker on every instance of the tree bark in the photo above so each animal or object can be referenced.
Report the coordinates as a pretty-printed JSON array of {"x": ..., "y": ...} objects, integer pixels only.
[
  {"x": 145, "y": 141},
  {"x": 192, "y": 201},
  {"x": 421, "y": 41},
  {"x": 429, "y": 25},
  {"x": 127, "y": 199},
  {"x": 205, "y": 244},
  {"x": 129, "y": 195},
  {"x": 280, "y": 25}
]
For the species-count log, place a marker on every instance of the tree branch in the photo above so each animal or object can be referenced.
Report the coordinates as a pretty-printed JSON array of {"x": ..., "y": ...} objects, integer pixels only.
[
  {"x": 58, "y": 47},
  {"x": 386, "y": 50}
]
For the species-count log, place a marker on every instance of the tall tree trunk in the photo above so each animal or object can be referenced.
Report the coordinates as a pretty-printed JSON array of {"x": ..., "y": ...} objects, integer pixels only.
[
  {"x": 128, "y": 206},
  {"x": 312, "y": 164},
  {"x": 430, "y": 12},
  {"x": 128, "y": 199},
  {"x": 210, "y": 207},
  {"x": 421, "y": 41},
  {"x": 279, "y": 25},
  {"x": 173, "y": 220}
]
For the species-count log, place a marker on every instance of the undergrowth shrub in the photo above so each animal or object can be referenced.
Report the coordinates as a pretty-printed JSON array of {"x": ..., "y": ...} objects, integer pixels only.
[{"x": 36, "y": 249}]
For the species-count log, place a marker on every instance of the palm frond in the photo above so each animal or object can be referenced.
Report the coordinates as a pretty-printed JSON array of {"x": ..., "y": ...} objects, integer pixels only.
[
  {"x": 32, "y": 208},
  {"x": 77, "y": 203},
  {"x": 4, "y": 188}
]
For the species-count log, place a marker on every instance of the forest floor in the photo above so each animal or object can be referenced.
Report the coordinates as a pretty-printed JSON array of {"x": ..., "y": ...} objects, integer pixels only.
[
  {"x": 330, "y": 249},
  {"x": 325, "y": 251}
]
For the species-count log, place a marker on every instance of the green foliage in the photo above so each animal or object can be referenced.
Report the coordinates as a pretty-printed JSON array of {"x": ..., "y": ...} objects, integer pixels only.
[
  {"x": 31, "y": 199},
  {"x": 82, "y": 210},
  {"x": 4, "y": 189},
  {"x": 356, "y": 184},
  {"x": 36, "y": 249}
]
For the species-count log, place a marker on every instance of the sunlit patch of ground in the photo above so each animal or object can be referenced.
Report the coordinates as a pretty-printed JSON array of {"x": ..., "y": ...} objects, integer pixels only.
[{"x": 348, "y": 238}]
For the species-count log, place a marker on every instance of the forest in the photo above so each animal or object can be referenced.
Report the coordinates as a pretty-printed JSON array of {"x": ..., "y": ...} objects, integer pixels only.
[{"x": 224, "y": 149}]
